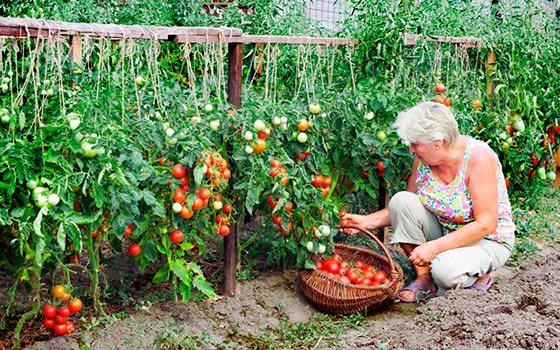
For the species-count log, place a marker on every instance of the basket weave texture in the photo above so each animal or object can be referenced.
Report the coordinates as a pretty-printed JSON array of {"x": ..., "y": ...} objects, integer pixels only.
[{"x": 330, "y": 295}]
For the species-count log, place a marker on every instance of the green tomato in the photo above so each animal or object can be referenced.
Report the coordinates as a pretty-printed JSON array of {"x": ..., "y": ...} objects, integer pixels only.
[
  {"x": 214, "y": 125},
  {"x": 259, "y": 125},
  {"x": 314, "y": 108},
  {"x": 89, "y": 152},
  {"x": 519, "y": 125},
  {"x": 310, "y": 247},
  {"x": 32, "y": 184},
  {"x": 541, "y": 173},
  {"x": 302, "y": 137},
  {"x": 53, "y": 199},
  {"x": 551, "y": 175},
  {"x": 322, "y": 248},
  {"x": 325, "y": 230},
  {"x": 177, "y": 207}
]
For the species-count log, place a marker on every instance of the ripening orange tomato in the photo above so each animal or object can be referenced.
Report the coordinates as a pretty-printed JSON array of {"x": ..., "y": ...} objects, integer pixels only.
[{"x": 59, "y": 291}]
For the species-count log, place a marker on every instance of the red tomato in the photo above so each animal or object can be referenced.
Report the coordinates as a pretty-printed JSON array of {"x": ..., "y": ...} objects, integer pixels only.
[
  {"x": 48, "y": 323},
  {"x": 65, "y": 297},
  {"x": 49, "y": 311},
  {"x": 277, "y": 219},
  {"x": 380, "y": 276},
  {"x": 178, "y": 171},
  {"x": 289, "y": 206},
  {"x": 128, "y": 232},
  {"x": 61, "y": 328},
  {"x": 227, "y": 208},
  {"x": 226, "y": 173},
  {"x": 366, "y": 282},
  {"x": 327, "y": 181},
  {"x": 60, "y": 319},
  {"x": 359, "y": 264},
  {"x": 345, "y": 279},
  {"x": 64, "y": 311},
  {"x": 204, "y": 193},
  {"x": 179, "y": 196},
  {"x": 134, "y": 249},
  {"x": 352, "y": 275},
  {"x": 197, "y": 204},
  {"x": 94, "y": 234},
  {"x": 75, "y": 305},
  {"x": 177, "y": 236},
  {"x": 70, "y": 328},
  {"x": 380, "y": 166},
  {"x": 440, "y": 88},
  {"x": 332, "y": 266},
  {"x": 336, "y": 257},
  {"x": 223, "y": 230},
  {"x": 275, "y": 163},
  {"x": 344, "y": 222},
  {"x": 369, "y": 274},
  {"x": 186, "y": 212}
]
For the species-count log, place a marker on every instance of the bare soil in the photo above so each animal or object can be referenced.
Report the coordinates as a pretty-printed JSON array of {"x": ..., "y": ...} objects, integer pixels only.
[{"x": 520, "y": 311}]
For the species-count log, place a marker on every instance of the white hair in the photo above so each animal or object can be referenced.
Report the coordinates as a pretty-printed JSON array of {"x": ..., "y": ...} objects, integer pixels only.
[{"x": 427, "y": 122}]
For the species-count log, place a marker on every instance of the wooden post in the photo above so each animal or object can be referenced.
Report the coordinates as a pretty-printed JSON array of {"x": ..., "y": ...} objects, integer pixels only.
[
  {"x": 381, "y": 203},
  {"x": 490, "y": 61},
  {"x": 235, "y": 72},
  {"x": 557, "y": 182}
]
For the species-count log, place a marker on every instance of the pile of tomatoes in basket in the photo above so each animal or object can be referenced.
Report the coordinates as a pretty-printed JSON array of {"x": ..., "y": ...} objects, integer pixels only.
[{"x": 355, "y": 273}]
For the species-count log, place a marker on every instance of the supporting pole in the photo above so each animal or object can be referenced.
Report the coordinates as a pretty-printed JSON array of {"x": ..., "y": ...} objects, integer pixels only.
[{"x": 235, "y": 72}]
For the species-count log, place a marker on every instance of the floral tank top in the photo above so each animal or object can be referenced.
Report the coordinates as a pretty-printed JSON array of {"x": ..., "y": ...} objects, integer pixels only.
[{"x": 452, "y": 204}]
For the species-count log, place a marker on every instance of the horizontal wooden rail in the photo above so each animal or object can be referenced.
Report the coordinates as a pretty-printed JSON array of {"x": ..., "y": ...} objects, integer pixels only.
[
  {"x": 25, "y": 27},
  {"x": 411, "y": 39}
]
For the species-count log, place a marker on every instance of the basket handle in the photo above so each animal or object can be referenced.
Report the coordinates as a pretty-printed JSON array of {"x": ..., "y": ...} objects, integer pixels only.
[{"x": 394, "y": 273}]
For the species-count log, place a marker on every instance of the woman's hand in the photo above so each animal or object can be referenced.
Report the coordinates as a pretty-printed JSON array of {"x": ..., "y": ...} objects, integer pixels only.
[
  {"x": 357, "y": 220},
  {"x": 423, "y": 254}
]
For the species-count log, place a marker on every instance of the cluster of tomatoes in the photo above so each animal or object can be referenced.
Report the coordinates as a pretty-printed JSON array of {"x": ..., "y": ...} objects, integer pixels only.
[
  {"x": 277, "y": 219},
  {"x": 278, "y": 171},
  {"x": 257, "y": 145},
  {"x": 216, "y": 168},
  {"x": 440, "y": 98},
  {"x": 55, "y": 318},
  {"x": 323, "y": 183},
  {"x": 355, "y": 273}
]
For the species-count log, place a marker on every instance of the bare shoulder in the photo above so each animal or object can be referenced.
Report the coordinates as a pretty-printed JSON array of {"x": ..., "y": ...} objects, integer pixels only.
[{"x": 483, "y": 156}]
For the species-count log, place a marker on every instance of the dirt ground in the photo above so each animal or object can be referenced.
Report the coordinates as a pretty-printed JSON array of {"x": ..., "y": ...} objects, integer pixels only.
[{"x": 520, "y": 311}]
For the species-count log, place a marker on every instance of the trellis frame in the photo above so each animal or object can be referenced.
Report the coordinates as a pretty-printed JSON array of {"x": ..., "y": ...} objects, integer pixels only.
[{"x": 37, "y": 28}]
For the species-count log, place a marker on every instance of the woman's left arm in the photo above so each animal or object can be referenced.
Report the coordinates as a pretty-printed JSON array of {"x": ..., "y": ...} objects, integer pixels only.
[{"x": 482, "y": 183}]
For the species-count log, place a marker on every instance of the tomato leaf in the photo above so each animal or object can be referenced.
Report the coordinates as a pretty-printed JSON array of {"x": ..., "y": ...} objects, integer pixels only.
[
  {"x": 157, "y": 206},
  {"x": 162, "y": 275},
  {"x": 202, "y": 285},
  {"x": 61, "y": 237}
]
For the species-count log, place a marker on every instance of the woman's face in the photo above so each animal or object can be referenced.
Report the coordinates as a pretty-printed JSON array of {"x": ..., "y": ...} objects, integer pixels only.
[{"x": 426, "y": 152}]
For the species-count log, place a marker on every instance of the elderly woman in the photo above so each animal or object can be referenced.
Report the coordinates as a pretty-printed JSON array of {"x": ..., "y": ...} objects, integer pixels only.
[{"x": 454, "y": 221}]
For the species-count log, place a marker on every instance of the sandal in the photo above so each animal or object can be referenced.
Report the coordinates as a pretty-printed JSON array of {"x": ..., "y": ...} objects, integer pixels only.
[
  {"x": 421, "y": 293},
  {"x": 482, "y": 286}
]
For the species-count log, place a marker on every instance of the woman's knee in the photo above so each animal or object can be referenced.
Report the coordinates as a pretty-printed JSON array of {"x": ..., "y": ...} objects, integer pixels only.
[
  {"x": 444, "y": 275},
  {"x": 403, "y": 200}
]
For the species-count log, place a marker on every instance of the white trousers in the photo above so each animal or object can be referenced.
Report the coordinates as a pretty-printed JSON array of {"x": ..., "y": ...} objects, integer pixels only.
[{"x": 413, "y": 223}]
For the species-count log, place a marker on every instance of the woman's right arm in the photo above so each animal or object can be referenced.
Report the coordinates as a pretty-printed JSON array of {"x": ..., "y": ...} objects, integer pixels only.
[{"x": 380, "y": 218}]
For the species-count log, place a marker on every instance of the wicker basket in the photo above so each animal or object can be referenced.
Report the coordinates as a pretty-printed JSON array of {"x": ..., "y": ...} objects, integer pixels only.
[{"x": 330, "y": 295}]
